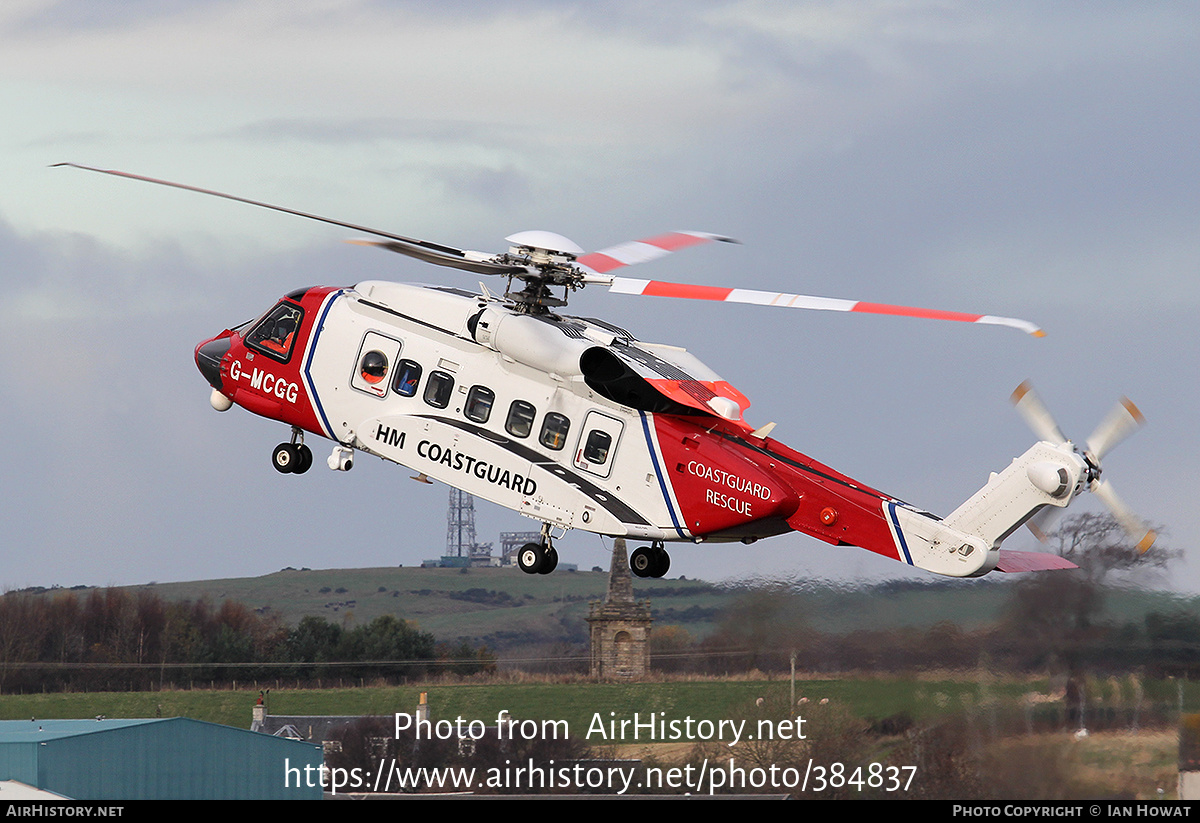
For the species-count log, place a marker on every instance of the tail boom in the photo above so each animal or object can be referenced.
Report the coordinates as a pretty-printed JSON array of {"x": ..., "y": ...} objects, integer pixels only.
[{"x": 967, "y": 542}]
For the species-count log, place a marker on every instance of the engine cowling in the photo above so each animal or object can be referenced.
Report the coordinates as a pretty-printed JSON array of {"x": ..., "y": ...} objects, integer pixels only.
[{"x": 536, "y": 343}]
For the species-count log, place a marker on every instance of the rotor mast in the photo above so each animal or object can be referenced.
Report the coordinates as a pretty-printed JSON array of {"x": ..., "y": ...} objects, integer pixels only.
[{"x": 549, "y": 260}]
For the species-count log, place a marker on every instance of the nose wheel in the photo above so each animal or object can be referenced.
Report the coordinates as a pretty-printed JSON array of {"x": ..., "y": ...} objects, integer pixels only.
[
  {"x": 650, "y": 561},
  {"x": 293, "y": 457}
]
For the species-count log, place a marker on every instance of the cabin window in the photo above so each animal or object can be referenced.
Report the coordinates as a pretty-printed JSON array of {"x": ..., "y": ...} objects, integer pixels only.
[
  {"x": 479, "y": 404},
  {"x": 595, "y": 450},
  {"x": 377, "y": 357},
  {"x": 438, "y": 389},
  {"x": 520, "y": 418},
  {"x": 554, "y": 430},
  {"x": 408, "y": 375},
  {"x": 373, "y": 366},
  {"x": 598, "y": 444},
  {"x": 276, "y": 334}
]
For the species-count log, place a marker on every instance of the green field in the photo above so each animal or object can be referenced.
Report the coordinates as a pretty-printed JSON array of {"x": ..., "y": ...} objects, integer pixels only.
[{"x": 575, "y": 702}]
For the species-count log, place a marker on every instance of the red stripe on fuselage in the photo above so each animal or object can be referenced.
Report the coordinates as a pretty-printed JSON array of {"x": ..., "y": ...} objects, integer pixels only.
[{"x": 860, "y": 520}]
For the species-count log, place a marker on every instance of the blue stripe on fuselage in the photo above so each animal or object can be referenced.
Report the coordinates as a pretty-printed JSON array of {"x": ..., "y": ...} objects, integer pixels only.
[
  {"x": 312, "y": 350},
  {"x": 662, "y": 481},
  {"x": 891, "y": 507}
]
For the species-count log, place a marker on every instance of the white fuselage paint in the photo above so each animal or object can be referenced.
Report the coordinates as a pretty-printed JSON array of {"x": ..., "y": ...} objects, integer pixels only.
[{"x": 481, "y": 458}]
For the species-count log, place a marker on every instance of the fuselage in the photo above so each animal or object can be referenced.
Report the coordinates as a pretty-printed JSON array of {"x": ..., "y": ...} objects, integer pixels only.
[{"x": 569, "y": 421}]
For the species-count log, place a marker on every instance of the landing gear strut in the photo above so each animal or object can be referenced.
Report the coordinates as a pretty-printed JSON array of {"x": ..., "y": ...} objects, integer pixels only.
[
  {"x": 650, "y": 561},
  {"x": 293, "y": 457},
  {"x": 538, "y": 558}
]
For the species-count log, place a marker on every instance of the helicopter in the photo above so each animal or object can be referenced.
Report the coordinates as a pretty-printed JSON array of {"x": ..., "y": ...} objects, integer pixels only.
[{"x": 577, "y": 424}]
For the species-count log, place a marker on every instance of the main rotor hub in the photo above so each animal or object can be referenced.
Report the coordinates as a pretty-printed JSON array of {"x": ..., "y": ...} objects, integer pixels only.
[
  {"x": 552, "y": 247},
  {"x": 549, "y": 259}
]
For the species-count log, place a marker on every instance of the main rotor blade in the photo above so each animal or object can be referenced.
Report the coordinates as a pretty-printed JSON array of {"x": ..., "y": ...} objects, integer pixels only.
[
  {"x": 1037, "y": 417},
  {"x": 437, "y": 247},
  {"x": 1137, "y": 530},
  {"x": 437, "y": 258},
  {"x": 1121, "y": 422},
  {"x": 659, "y": 288},
  {"x": 642, "y": 251}
]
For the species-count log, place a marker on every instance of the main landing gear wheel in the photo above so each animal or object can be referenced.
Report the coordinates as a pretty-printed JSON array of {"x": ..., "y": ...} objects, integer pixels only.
[
  {"x": 306, "y": 459},
  {"x": 664, "y": 563},
  {"x": 650, "y": 561},
  {"x": 289, "y": 458},
  {"x": 531, "y": 558},
  {"x": 550, "y": 562}
]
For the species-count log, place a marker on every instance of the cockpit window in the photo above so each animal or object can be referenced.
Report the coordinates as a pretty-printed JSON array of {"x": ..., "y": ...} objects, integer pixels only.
[{"x": 276, "y": 333}]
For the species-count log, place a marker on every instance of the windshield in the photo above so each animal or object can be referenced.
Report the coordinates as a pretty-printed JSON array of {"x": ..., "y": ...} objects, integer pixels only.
[{"x": 275, "y": 334}]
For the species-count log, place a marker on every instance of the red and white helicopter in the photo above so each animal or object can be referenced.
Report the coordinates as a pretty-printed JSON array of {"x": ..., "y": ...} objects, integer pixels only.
[{"x": 577, "y": 424}]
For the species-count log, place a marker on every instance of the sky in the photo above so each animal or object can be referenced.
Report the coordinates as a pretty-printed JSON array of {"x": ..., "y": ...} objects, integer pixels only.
[{"x": 1021, "y": 159}]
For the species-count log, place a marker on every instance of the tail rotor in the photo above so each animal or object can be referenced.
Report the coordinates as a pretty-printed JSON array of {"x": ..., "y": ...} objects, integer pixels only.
[{"x": 1122, "y": 421}]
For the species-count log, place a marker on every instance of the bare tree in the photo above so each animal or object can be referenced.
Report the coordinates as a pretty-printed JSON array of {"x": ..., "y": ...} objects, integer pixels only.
[
  {"x": 1054, "y": 616},
  {"x": 1101, "y": 548}
]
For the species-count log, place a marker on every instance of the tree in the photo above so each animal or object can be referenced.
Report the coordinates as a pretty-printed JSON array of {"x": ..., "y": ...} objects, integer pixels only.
[
  {"x": 1174, "y": 639},
  {"x": 387, "y": 638},
  {"x": 1100, "y": 547},
  {"x": 764, "y": 624},
  {"x": 1054, "y": 616}
]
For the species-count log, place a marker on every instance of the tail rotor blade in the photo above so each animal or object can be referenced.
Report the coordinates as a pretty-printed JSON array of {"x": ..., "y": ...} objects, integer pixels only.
[
  {"x": 1137, "y": 530},
  {"x": 1121, "y": 422},
  {"x": 1043, "y": 524},
  {"x": 1036, "y": 415}
]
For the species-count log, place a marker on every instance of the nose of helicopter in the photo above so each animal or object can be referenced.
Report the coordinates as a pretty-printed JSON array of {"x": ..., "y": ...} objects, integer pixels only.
[{"x": 208, "y": 359}]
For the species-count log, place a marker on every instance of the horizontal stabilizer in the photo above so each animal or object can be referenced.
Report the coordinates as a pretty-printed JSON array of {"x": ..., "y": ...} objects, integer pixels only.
[{"x": 1014, "y": 561}]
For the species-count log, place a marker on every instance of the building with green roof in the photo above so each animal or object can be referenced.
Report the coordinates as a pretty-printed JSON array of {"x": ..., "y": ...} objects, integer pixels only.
[{"x": 157, "y": 759}]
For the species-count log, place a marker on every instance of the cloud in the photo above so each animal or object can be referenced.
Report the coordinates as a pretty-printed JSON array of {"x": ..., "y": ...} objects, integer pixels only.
[{"x": 1024, "y": 159}]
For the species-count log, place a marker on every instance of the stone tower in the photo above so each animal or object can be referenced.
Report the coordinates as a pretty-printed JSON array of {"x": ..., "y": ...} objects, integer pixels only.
[{"x": 620, "y": 626}]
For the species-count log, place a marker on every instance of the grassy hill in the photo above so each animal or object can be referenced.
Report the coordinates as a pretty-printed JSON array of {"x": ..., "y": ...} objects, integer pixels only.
[
  {"x": 507, "y": 609},
  {"x": 497, "y": 606}
]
